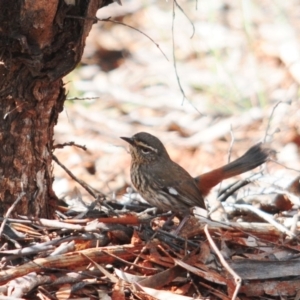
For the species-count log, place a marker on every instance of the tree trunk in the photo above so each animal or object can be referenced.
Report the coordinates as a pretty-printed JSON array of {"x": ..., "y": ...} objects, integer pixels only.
[{"x": 39, "y": 43}]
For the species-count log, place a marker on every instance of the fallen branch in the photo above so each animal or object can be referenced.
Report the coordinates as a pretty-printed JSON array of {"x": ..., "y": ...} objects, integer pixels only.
[{"x": 69, "y": 260}]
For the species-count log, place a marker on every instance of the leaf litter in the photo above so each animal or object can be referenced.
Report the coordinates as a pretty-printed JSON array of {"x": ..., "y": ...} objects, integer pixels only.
[{"x": 105, "y": 241}]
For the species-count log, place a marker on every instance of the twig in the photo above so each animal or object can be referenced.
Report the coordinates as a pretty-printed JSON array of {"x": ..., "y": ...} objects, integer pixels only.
[
  {"x": 288, "y": 168},
  {"x": 60, "y": 146},
  {"x": 228, "y": 155},
  {"x": 120, "y": 23},
  {"x": 112, "y": 278},
  {"x": 270, "y": 118},
  {"x": 193, "y": 26},
  {"x": 266, "y": 217},
  {"x": 174, "y": 57},
  {"x": 231, "y": 143},
  {"x": 232, "y": 189},
  {"x": 83, "y": 98},
  {"x": 175, "y": 61},
  {"x": 143, "y": 250},
  {"x": 89, "y": 189},
  {"x": 237, "y": 278},
  {"x": 20, "y": 221},
  {"x": 294, "y": 226},
  {"x": 17, "y": 107},
  {"x": 228, "y": 191},
  {"x": 166, "y": 237},
  {"x": 9, "y": 211},
  {"x": 127, "y": 262},
  {"x": 38, "y": 248},
  {"x": 69, "y": 260}
]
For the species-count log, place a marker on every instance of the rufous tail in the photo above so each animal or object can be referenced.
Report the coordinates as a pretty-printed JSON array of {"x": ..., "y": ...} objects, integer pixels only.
[{"x": 253, "y": 158}]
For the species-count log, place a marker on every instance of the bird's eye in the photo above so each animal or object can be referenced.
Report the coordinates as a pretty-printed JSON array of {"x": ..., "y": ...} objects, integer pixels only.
[{"x": 145, "y": 150}]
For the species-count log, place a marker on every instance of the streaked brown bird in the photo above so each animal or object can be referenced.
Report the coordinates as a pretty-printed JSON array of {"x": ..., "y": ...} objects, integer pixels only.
[{"x": 167, "y": 186}]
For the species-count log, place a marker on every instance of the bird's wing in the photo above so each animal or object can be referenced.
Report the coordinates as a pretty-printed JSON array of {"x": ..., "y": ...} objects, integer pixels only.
[{"x": 185, "y": 191}]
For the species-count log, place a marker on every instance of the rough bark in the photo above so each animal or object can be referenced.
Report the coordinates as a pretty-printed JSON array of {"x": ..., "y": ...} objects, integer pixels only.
[{"x": 39, "y": 44}]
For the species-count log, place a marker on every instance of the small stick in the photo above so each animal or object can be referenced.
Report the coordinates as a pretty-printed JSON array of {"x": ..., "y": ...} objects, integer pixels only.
[
  {"x": 127, "y": 262},
  {"x": 237, "y": 278},
  {"x": 270, "y": 118},
  {"x": 120, "y": 23},
  {"x": 60, "y": 146},
  {"x": 268, "y": 218},
  {"x": 288, "y": 168},
  {"x": 142, "y": 251},
  {"x": 89, "y": 189},
  {"x": 9, "y": 211}
]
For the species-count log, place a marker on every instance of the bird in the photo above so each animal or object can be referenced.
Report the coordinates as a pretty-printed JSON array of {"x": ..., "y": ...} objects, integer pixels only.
[{"x": 167, "y": 186}]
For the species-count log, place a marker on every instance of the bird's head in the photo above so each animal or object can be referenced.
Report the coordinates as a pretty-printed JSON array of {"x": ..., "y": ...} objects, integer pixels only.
[{"x": 146, "y": 148}]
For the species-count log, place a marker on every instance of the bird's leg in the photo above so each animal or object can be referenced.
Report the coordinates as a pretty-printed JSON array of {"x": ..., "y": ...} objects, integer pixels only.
[
  {"x": 168, "y": 221},
  {"x": 181, "y": 224}
]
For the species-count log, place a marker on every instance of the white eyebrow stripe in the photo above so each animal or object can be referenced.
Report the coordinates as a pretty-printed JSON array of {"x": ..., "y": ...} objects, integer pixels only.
[{"x": 139, "y": 143}]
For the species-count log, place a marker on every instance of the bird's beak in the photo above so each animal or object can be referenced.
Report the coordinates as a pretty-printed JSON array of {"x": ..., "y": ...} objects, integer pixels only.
[{"x": 128, "y": 140}]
